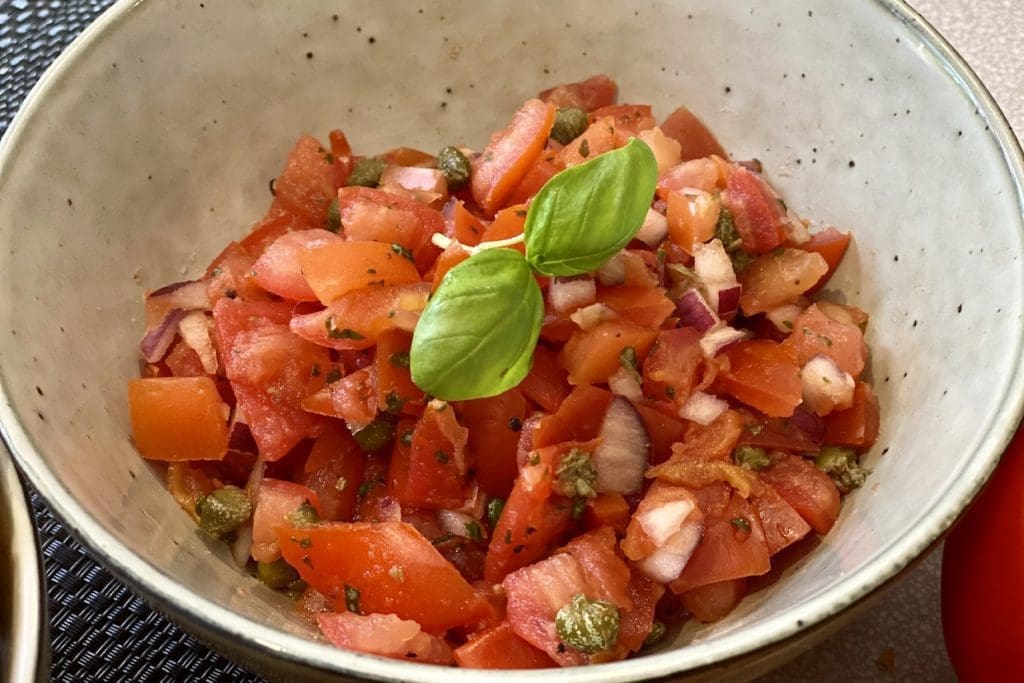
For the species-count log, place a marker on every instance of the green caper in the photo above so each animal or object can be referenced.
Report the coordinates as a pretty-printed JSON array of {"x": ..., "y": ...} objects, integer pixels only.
[
  {"x": 224, "y": 510},
  {"x": 455, "y": 167},
  {"x": 569, "y": 124},
  {"x": 751, "y": 457},
  {"x": 366, "y": 172},
  {"x": 376, "y": 435},
  {"x": 588, "y": 625},
  {"x": 842, "y": 465},
  {"x": 304, "y": 515},
  {"x": 295, "y": 589},
  {"x": 333, "y": 217},
  {"x": 656, "y": 634},
  {"x": 725, "y": 230},
  {"x": 278, "y": 575}
]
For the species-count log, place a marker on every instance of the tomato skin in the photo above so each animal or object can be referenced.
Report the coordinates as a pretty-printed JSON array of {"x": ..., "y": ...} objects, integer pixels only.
[
  {"x": 546, "y": 383},
  {"x": 231, "y": 274},
  {"x": 763, "y": 374},
  {"x": 831, "y": 245},
  {"x": 857, "y": 426},
  {"x": 578, "y": 418},
  {"x": 494, "y": 440},
  {"x": 434, "y": 475},
  {"x": 777, "y": 279},
  {"x": 180, "y": 418},
  {"x": 715, "y": 600},
  {"x": 629, "y": 119},
  {"x": 598, "y": 138},
  {"x": 670, "y": 370},
  {"x": 592, "y": 357},
  {"x": 695, "y": 139},
  {"x": 982, "y": 566},
  {"x": 805, "y": 488},
  {"x": 278, "y": 221},
  {"x": 307, "y": 184},
  {"x": 335, "y": 458},
  {"x": 430, "y": 592},
  {"x": 333, "y": 270},
  {"x": 756, "y": 212},
  {"x": 278, "y": 270},
  {"x": 663, "y": 430},
  {"x": 275, "y": 500},
  {"x": 647, "y": 306},
  {"x": 814, "y": 333},
  {"x": 379, "y": 216},
  {"x": 593, "y": 93},
  {"x": 500, "y": 648},
  {"x": 385, "y": 635},
  {"x": 396, "y": 392}
]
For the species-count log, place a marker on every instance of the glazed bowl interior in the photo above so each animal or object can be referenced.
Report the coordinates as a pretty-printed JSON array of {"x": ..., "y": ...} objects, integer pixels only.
[{"x": 150, "y": 144}]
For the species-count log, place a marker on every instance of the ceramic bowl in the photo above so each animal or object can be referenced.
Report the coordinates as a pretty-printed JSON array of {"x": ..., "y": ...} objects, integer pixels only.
[
  {"x": 149, "y": 144},
  {"x": 24, "y": 646}
]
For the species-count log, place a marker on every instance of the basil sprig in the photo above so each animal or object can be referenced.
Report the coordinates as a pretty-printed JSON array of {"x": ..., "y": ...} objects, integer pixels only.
[
  {"x": 586, "y": 214},
  {"x": 477, "y": 334}
]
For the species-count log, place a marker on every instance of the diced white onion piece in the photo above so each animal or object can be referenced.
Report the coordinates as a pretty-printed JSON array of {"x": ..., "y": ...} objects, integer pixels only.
[
  {"x": 695, "y": 312},
  {"x": 795, "y": 229},
  {"x": 783, "y": 317},
  {"x": 613, "y": 272},
  {"x": 675, "y": 528},
  {"x": 622, "y": 456},
  {"x": 568, "y": 295},
  {"x": 241, "y": 547},
  {"x": 589, "y": 317},
  {"x": 664, "y": 521},
  {"x": 195, "y": 331},
  {"x": 826, "y": 386},
  {"x": 625, "y": 383},
  {"x": 665, "y": 565},
  {"x": 667, "y": 151},
  {"x": 459, "y": 523},
  {"x": 188, "y": 296},
  {"x": 717, "y": 339},
  {"x": 654, "y": 229},
  {"x": 714, "y": 268},
  {"x": 703, "y": 408}
]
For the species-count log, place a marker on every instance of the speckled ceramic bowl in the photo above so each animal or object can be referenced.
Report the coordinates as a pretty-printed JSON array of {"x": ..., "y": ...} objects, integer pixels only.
[
  {"x": 24, "y": 646},
  {"x": 149, "y": 144}
]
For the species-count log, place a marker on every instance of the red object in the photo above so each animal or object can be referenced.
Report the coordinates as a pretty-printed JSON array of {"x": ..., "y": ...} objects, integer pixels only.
[
  {"x": 806, "y": 489},
  {"x": 595, "y": 92},
  {"x": 755, "y": 211},
  {"x": 832, "y": 245},
  {"x": 982, "y": 585},
  {"x": 500, "y": 648},
  {"x": 494, "y": 426},
  {"x": 764, "y": 375},
  {"x": 692, "y": 135}
]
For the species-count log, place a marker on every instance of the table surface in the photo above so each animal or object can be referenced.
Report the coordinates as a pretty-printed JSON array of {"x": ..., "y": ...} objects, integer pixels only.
[{"x": 101, "y": 631}]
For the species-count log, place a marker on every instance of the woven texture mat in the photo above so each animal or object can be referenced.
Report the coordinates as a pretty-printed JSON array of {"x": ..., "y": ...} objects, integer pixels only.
[{"x": 100, "y": 630}]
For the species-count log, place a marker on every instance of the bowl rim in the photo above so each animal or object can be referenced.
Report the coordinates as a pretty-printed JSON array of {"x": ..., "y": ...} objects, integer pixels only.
[
  {"x": 227, "y": 626},
  {"x": 28, "y": 656}
]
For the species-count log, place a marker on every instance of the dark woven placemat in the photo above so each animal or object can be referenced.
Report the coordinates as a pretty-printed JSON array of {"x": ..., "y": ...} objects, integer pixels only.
[{"x": 100, "y": 630}]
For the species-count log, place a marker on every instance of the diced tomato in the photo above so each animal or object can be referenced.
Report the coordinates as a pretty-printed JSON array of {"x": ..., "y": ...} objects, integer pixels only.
[
  {"x": 353, "y": 398},
  {"x": 715, "y": 441},
  {"x": 763, "y": 374},
  {"x": 814, "y": 333},
  {"x": 500, "y": 648},
  {"x": 333, "y": 270},
  {"x": 507, "y": 223},
  {"x": 187, "y": 484},
  {"x": 779, "y": 434},
  {"x": 663, "y": 429},
  {"x": 451, "y": 257},
  {"x": 670, "y": 370},
  {"x": 395, "y": 569},
  {"x": 755, "y": 211},
  {"x": 831, "y": 245},
  {"x": 342, "y": 153},
  {"x": 461, "y": 224},
  {"x": 603, "y": 569},
  {"x": 714, "y": 601},
  {"x": 778, "y": 279},
  {"x": 595, "y": 92},
  {"x": 733, "y": 547},
  {"x": 334, "y": 472},
  {"x": 435, "y": 474},
  {"x": 307, "y": 184},
  {"x": 396, "y": 392},
  {"x": 230, "y": 276},
  {"x": 278, "y": 221},
  {"x": 598, "y": 138},
  {"x": 635, "y": 623},
  {"x": 275, "y": 500},
  {"x": 593, "y": 356},
  {"x": 629, "y": 119},
  {"x": 182, "y": 361},
  {"x": 647, "y": 306},
  {"x": 607, "y": 509},
  {"x": 269, "y": 369},
  {"x": 805, "y": 488},
  {"x": 691, "y": 219},
  {"x": 535, "y": 594},
  {"x": 546, "y": 383},
  {"x": 857, "y": 426},
  {"x": 375, "y": 215},
  {"x": 409, "y": 156},
  {"x": 494, "y": 427},
  {"x": 536, "y": 177},
  {"x": 510, "y": 154},
  {"x": 693, "y": 136},
  {"x": 385, "y": 635},
  {"x": 783, "y": 526},
  {"x": 278, "y": 270},
  {"x": 357, "y": 319},
  {"x": 578, "y": 418},
  {"x": 697, "y": 174}
]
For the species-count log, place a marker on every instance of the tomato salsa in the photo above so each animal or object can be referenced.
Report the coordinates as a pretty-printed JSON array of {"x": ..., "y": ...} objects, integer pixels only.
[{"x": 522, "y": 407}]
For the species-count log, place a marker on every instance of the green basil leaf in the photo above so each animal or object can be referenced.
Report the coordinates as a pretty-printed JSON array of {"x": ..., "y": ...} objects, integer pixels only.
[
  {"x": 477, "y": 334},
  {"x": 584, "y": 215}
]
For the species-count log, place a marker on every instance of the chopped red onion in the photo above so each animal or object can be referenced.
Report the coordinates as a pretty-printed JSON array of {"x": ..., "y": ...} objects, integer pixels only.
[
  {"x": 625, "y": 383},
  {"x": 783, "y": 317},
  {"x": 568, "y": 295},
  {"x": 613, "y": 272},
  {"x": 728, "y": 297},
  {"x": 459, "y": 524},
  {"x": 159, "y": 338},
  {"x": 826, "y": 386},
  {"x": 654, "y": 229},
  {"x": 195, "y": 331},
  {"x": 703, "y": 408},
  {"x": 189, "y": 296},
  {"x": 810, "y": 424},
  {"x": 388, "y": 509},
  {"x": 694, "y": 311},
  {"x": 621, "y": 458},
  {"x": 751, "y": 165},
  {"x": 589, "y": 317},
  {"x": 240, "y": 436},
  {"x": 718, "y": 338}
]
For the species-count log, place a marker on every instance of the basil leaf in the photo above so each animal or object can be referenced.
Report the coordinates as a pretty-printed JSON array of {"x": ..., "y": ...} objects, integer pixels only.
[
  {"x": 586, "y": 214},
  {"x": 477, "y": 334}
]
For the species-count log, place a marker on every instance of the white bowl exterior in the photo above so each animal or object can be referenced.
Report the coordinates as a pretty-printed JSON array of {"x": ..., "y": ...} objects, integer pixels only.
[{"x": 152, "y": 142}]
